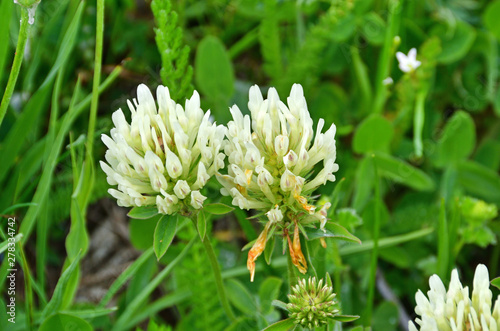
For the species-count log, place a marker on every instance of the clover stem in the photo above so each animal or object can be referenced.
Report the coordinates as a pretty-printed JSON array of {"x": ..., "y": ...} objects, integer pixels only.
[{"x": 217, "y": 273}]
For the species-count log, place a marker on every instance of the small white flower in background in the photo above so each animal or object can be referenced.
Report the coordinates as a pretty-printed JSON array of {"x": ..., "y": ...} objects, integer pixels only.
[
  {"x": 272, "y": 154},
  {"x": 453, "y": 309},
  {"x": 408, "y": 63},
  {"x": 388, "y": 81},
  {"x": 165, "y": 155}
]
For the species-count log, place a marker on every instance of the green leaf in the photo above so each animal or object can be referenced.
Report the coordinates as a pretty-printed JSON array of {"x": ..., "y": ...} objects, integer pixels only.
[
  {"x": 373, "y": 28},
  {"x": 125, "y": 276},
  {"x": 268, "y": 251},
  {"x": 456, "y": 43},
  {"x": 345, "y": 318},
  {"x": 443, "y": 242},
  {"x": 201, "y": 224},
  {"x": 241, "y": 323},
  {"x": 348, "y": 218},
  {"x": 373, "y": 134},
  {"x": 5, "y": 15},
  {"x": 457, "y": 140},
  {"x": 367, "y": 245},
  {"x": 143, "y": 213},
  {"x": 65, "y": 322},
  {"x": 479, "y": 180},
  {"x": 279, "y": 304},
  {"x": 56, "y": 301},
  {"x": 142, "y": 232},
  {"x": 164, "y": 234},
  {"x": 496, "y": 282},
  {"x": 269, "y": 291},
  {"x": 213, "y": 69},
  {"x": 332, "y": 230},
  {"x": 386, "y": 317},
  {"x": 490, "y": 18},
  {"x": 283, "y": 325},
  {"x": 402, "y": 172},
  {"x": 218, "y": 208},
  {"x": 241, "y": 297}
]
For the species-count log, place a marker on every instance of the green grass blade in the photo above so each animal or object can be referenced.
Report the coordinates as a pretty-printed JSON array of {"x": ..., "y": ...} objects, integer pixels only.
[
  {"x": 56, "y": 301},
  {"x": 158, "y": 305},
  {"x": 44, "y": 185},
  {"x": 443, "y": 243},
  {"x": 5, "y": 15},
  {"x": 134, "y": 305},
  {"x": 125, "y": 276}
]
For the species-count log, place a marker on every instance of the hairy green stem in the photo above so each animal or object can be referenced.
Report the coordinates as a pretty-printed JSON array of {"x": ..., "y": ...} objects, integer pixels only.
[
  {"x": 217, "y": 275},
  {"x": 16, "y": 65}
]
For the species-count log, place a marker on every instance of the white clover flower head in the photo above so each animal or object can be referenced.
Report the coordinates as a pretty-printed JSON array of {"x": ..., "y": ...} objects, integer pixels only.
[
  {"x": 272, "y": 155},
  {"x": 453, "y": 309},
  {"x": 272, "y": 152},
  {"x": 408, "y": 63},
  {"x": 165, "y": 155}
]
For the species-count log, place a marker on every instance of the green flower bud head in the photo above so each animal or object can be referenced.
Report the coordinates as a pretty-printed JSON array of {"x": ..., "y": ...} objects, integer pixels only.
[{"x": 312, "y": 304}]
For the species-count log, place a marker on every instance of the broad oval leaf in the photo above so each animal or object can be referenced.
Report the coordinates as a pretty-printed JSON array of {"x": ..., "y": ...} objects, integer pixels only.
[
  {"x": 402, "y": 172},
  {"x": 241, "y": 297},
  {"x": 490, "y": 18},
  {"x": 269, "y": 291},
  {"x": 164, "y": 234},
  {"x": 457, "y": 140},
  {"x": 218, "y": 208},
  {"x": 373, "y": 134},
  {"x": 143, "y": 213},
  {"x": 455, "y": 43},
  {"x": 213, "y": 69},
  {"x": 65, "y": 322}
]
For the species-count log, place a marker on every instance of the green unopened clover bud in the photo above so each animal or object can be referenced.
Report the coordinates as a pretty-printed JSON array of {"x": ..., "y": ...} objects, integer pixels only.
[{"x": 312, "y": 304}]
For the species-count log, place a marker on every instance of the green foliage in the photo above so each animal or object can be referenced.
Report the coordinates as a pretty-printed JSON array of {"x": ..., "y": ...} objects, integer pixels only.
[
  {"x": 164, "y": 234},
  {"x": 176, "y": 72}
]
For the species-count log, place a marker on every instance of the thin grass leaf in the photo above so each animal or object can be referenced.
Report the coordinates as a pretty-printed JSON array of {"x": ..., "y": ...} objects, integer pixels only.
[
  {"x": 125, "y": 276},
  {"x": 157, "y": 306},
  {"x": 56, "y": 301},
  {"x": 134, "y": 305},
  {"x": 5, "y": 16},
  {"x": 443, "y": 243}
]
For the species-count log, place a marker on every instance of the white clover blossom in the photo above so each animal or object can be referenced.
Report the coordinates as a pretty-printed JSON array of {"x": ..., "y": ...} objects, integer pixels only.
[
  {"x": 408, "y": 63},
  {"x": 272, "y": 154},
  {"x": 454, "y": 310},
  {"x": 165, "y": 156}
]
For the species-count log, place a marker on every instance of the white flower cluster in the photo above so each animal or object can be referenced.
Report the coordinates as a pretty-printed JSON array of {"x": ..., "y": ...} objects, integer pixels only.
[
  {"x": 272, "y": 155},
  {"x": 165, "y": 155},
  {"x": 453, "y": 310}
]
